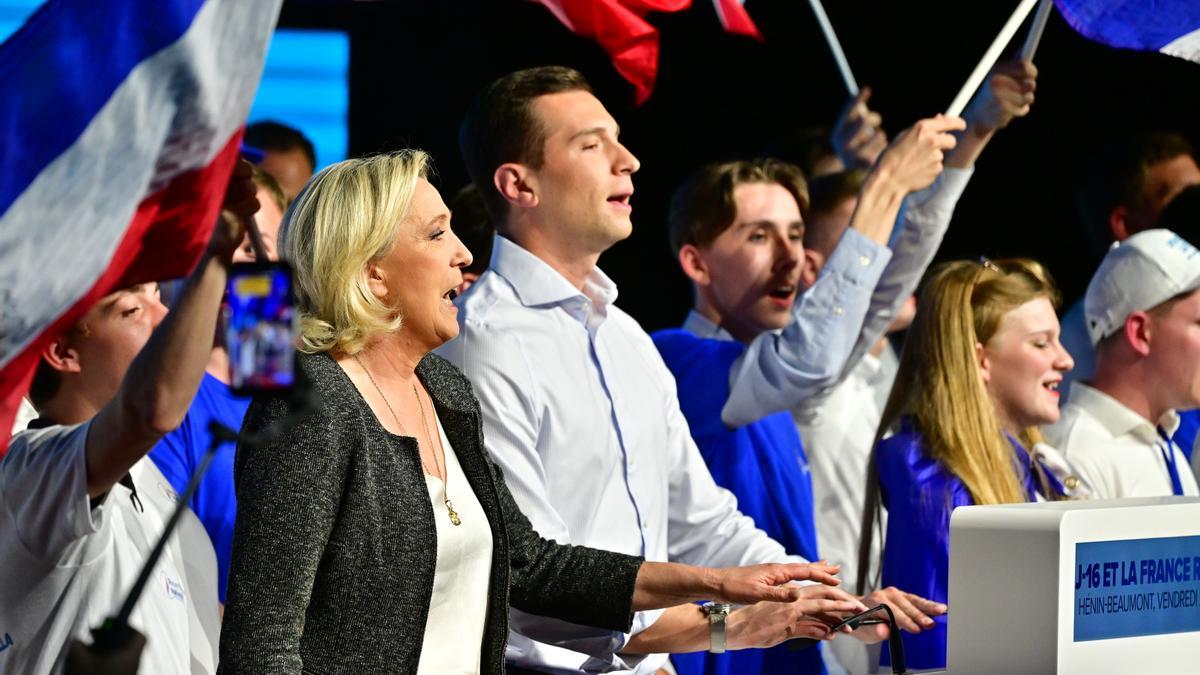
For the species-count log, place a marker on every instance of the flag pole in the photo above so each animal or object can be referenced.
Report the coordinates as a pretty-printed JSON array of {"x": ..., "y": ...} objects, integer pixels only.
[
  {"x": 1036, "y": 29},
  {"x": 835, "y": 47},
  {"x": 989, "y": 58}
]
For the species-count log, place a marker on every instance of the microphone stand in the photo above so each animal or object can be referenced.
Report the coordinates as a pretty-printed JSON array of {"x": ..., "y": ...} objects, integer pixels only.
[{"x": 117, "y": 647}]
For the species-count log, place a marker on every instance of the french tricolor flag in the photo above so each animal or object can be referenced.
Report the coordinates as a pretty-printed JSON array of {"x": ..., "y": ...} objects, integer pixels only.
[
  {"x": 120, "y": 125},
  {"x": 1168, "y": 26}
]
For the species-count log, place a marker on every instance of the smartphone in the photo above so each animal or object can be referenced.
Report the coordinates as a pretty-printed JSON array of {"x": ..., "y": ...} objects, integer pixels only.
[{"x": 260, "y": 327}]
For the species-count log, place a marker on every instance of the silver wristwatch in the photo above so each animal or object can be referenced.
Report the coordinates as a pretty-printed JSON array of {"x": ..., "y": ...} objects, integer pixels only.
[{"x": 716, "y": 612}]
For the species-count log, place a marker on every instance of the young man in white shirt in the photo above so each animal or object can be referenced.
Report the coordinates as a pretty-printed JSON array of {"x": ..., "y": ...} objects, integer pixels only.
[
  {"x": 579, "y": 409},
  {"x": 1124, "y": 187},
  {"x": 80, "y": 505},
  {"x": 1143, "y": 315}
]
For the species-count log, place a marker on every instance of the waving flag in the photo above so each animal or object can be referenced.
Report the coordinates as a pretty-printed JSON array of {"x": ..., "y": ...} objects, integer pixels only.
[
  {"x": 1167, "y": 26},
  {"x": 120, "y": 125},
  {"x": 620, "y": 27}
]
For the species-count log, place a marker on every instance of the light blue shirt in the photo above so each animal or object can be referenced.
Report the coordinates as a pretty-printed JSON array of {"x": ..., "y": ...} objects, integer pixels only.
[{"x": 581, "y": 414}]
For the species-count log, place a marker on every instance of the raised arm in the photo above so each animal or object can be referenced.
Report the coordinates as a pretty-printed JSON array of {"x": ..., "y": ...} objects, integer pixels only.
[
  {"x": 160, "y": 384},
  {"x": 780, "y": 370}
]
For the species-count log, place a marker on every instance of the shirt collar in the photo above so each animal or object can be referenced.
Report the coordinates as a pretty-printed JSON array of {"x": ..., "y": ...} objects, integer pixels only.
[
  {"x": 1116, "y": 417},
  {"x": 700, "y": 326},
  {"x": 537, "y": 283}
]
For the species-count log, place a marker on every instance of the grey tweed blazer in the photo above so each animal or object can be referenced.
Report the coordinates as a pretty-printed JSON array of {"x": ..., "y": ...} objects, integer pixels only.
[{"x": 334, "y": 549}]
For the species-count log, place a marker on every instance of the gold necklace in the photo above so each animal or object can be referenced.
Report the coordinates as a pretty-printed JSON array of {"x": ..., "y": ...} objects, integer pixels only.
[{"x": 428, "y": 437}]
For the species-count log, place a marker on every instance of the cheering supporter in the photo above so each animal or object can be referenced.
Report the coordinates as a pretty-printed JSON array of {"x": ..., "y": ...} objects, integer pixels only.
[
  {"x": 288, "y": 155},
  {"x": 737, "y": 229},
  {"x": 1123, "y": 189},
  {"x": 1143, "y": 314},
  {"x": 403, "y": 546},
  {"x": 978, "y": 373},
  {"x": 180, "y": 452},
  {"x": 80, "y": 505}
]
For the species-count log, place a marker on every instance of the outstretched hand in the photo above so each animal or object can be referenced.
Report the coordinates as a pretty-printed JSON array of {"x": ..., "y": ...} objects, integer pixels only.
[
  {"x": 770, "y": 623},
  {"x": 914, "y": 159},
  {"x": 768, "y": 582},
  {"x": 1007, "y": 95},
  {"x": 858, "y": 139},
  {"x": 913, "y": 613}
]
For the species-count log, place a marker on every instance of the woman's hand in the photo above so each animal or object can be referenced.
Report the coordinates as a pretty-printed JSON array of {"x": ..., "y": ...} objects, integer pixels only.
[
  {"x": 913, "y": 613},
  {"x": 770, "y": 623},
  {"x": 768, "y": 582}
]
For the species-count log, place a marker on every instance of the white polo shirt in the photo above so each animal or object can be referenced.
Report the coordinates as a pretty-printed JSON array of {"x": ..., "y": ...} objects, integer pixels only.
[
  {"x": 67, "y": 566},
  {"x": 1116, "y": 451}
]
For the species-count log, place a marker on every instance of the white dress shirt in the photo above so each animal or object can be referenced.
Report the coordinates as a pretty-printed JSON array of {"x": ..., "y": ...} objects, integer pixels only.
[
  {"x": 581, "y": 414},
  {"x": 1116, "y": 451}
]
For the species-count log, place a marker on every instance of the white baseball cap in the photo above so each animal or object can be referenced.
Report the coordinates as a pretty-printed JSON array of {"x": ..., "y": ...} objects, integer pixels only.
[{"x": 1138, "y": 274}]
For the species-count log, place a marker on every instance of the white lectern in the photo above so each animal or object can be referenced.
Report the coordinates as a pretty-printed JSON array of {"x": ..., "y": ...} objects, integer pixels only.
[{"x": 1106, "y": 586}]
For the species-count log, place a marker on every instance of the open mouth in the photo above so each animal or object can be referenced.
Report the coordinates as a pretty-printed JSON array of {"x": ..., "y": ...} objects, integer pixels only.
[
  {"x": 783, "y": 292},
  {"x": 1052, "y": 386},
  {"x": 621, "y": 199},
  {"x": 449, "y": 296}
]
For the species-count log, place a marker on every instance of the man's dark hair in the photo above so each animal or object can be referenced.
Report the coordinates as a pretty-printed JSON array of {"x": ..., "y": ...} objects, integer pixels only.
[
  {"x": 1182, "y": 215},
  {"x": 704, "y": 207},
  {"x": 500, "y": 126},
  {"x": 474, "y": 228},
  {"x": 273, "y": 136},
  {"x": 46, "y": 382},
  {"x": 1116, "y": 175}
]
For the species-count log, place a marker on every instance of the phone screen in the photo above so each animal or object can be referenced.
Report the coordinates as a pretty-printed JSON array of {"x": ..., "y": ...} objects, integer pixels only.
[{"x": 260, "y": 327}]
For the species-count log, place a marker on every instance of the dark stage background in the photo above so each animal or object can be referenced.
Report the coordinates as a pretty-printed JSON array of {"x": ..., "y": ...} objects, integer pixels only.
[{"x": 415, "y": 64}]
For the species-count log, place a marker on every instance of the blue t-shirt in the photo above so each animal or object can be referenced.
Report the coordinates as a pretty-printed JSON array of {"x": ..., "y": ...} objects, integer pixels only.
[
  {"x": 762, "y": 463},
  {"x": 919, "y": 494},
  {"x": 179, "y": 453}
]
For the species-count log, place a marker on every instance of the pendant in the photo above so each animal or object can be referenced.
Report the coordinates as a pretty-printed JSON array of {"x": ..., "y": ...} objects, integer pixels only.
[{"x": 453, "y": 514}]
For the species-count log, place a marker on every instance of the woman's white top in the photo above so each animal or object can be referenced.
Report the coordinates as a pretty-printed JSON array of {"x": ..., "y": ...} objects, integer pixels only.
[{"x": 453, "y": 640}]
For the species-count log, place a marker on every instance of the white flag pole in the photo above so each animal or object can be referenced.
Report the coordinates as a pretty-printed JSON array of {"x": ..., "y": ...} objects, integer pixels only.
[
  {"x": 835, "y": 47},
  {"x": 1035, "y": 30},
  {"x": 989, "y": 58}
]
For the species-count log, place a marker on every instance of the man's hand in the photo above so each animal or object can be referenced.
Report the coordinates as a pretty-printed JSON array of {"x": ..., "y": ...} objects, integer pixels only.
[
  {"x": 858, "y": 139},
  {"x": 1007, "y": 95},
  {"x": 770, "y": 623},
  {"x": 769, "y": 582},
  {"x": 913, "y": 613},
  {"x": 239, "y": 206},
  {"x": 914, "y": 160}
]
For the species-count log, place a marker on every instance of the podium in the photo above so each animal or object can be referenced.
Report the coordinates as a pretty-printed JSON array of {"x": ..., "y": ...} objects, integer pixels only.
[{"x": 1106, "y": 586}]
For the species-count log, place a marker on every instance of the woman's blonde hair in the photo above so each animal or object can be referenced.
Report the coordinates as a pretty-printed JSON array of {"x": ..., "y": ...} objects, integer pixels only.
[
  {"x": 938, "y": 384},
  {"x": 347, "y": 216}
]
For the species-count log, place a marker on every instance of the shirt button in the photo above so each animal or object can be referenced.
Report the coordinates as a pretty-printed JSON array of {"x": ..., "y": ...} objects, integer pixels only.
[
  {"x": 864, "y": 261},
  {"x": 837, "y": 311}
]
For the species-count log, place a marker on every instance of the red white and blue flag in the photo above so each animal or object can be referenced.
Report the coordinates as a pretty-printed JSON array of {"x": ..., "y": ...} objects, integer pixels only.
[
  {"x": 120, "y": 126},
  {"x": 1168, "y": 26}
]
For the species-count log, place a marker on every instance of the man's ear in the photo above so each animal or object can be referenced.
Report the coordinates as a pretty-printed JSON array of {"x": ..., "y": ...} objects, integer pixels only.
[
  {"x": 516, "y": 184},
  {"x": 1137, "y": 330},
  {"x": 984, "y": 363},
  {"x": 62, "y": 356},
  {"x": 1118, "y": 223},
  {"x": 693, "y": 264}
]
